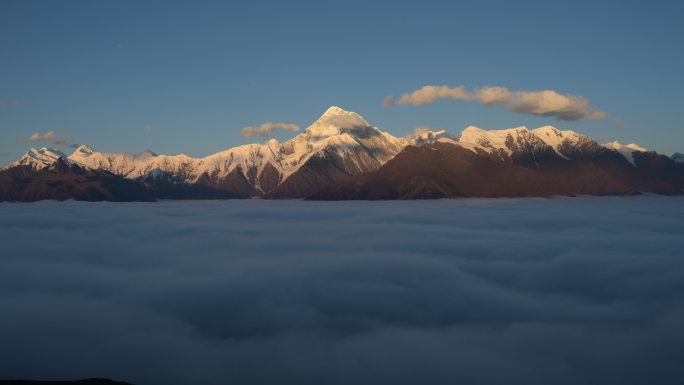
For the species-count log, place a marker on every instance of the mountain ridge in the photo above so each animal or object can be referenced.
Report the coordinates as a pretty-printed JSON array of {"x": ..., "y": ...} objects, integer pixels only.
[
  {"x": 340, "y": 145},
  {"x": 446, "y": 170},
  {"x": 264, "y": 166}
]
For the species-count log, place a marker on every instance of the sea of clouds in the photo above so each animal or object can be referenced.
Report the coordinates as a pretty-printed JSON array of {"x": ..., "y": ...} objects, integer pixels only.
[{"x": 512, "y": 291}]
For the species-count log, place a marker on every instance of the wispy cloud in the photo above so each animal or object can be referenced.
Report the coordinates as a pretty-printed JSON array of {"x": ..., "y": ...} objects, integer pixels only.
[
  {"x": 38, "y": 137},
  {"x": 539, "y": 103},
  {"x": 429, "y": 94},
  {"x": 50, "y": 136},
  {"x": 61, "y": 141},
  {"x": 268, "y": 128},
  {"x": 418, "y": 131},
  {"x": 148, "y": 128}
]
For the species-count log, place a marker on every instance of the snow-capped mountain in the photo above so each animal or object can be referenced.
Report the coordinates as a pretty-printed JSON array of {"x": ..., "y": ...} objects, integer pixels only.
[
  {"x": 337, "y": 145},
  {"x": 48, "y": 174},
  {"x": 518, "y": 166},
  {"x": 678, "y": 157},
  {"x": 341, "y": 146},
  {"x": 38, "y": 159},
  {"x": 626, "y": 150},
  {"x": 520, "y": 142},
  {"x": 510, "y": 142},
  {"x": 341, "y": 138}
]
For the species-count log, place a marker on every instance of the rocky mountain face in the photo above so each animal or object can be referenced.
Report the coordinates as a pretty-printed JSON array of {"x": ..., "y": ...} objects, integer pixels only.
[
  {"x": 514, "y": 163},
  {"x": 341, "y": 156},
  {"x": 62, "y": 179},
  {"x": 166, "y": 186}
]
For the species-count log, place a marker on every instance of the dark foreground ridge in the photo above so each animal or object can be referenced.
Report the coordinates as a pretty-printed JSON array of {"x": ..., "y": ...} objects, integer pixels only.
[{"x": 88, "y": 381}]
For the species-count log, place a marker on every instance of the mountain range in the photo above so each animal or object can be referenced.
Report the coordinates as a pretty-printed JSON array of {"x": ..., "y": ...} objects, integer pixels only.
[{"x": 341, "y": 156}]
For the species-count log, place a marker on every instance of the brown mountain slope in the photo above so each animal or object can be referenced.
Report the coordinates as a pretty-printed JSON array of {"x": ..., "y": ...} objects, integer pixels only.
[
  {"x": 64, "y": 180},
  {"x": 320, "y": 172},
  {"x": 444, "y": 170}
]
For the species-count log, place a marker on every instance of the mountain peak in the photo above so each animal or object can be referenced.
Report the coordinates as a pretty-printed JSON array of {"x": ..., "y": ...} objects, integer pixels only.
[
  {"x": 39, "y": 159},
  {"x": 547, "y": 129},
  {"x": 334, "y": 121},
  {"x": 472, "y": 129},
  {"x": 45, "y": 152},
  {"x": 335, "y": 110},
  {"x": 84, "y": 149},
  {"x": 148, "y": 153},
  {"x": 615, "y": 145},
  {"x": 341, "y": 116}
]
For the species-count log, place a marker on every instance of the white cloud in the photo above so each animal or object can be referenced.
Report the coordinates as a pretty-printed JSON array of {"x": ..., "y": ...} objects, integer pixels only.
[
  {"x": 268, "y": 128},
  {"x": 418, "y": 131},
  {"x": 429, "y": 94},
  {"x": 38, "y": 137},
  {"x": 50, "y": 136},
  {"x": 539, "y": 103}
]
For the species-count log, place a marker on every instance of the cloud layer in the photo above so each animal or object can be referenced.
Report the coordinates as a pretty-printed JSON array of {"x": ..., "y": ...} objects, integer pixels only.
[
  {"x": 267, "y": 128},
  {"x": 530, "y": 291},
  {"x": 540, "y": 103}
]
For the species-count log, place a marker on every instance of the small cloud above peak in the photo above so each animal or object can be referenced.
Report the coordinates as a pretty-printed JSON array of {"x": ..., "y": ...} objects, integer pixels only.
[
  {"x": 38, "y": 137},
  {"x": 422, "y": 135},
  {"x": 422, "y": 131},
  {"x": 84, "y": 149},
  {"x": 336, "y": 120},
  {"x": 50, "y": 136},
  {"x": 267, "y": 128}
]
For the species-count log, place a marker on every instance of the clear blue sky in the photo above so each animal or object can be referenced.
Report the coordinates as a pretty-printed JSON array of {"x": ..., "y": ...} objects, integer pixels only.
[{"x": 197, "y": 72}]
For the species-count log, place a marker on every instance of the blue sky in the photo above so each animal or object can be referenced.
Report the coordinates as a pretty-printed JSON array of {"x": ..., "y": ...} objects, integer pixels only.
[{"x": 195, "y": 73}]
